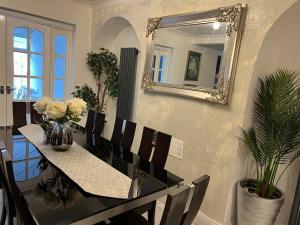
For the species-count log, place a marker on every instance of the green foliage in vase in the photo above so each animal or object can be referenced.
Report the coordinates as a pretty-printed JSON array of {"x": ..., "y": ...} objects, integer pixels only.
[
  {"x": 87, "y": 94},
  {"x": 274, "y": 138},
  {"x": 104, "y": 66}
]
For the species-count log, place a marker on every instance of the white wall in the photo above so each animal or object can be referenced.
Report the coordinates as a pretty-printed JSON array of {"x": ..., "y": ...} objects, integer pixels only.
[
  {"x": 69, "y": 11},
  {"x": 210, "y": 132},
  {"x": 181, "y": 45}
]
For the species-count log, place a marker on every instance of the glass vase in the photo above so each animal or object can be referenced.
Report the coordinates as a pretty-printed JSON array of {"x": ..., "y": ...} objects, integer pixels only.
[{"x": 61, "y": 137}]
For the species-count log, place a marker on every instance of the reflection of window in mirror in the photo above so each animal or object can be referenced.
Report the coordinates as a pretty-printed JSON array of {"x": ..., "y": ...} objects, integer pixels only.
[
  {"x": 219, "y": 59},
  {"x": 161, "y": 62}
]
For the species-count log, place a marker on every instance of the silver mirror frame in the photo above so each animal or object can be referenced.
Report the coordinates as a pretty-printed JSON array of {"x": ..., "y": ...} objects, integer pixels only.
[{"x": 235, "y": 17}]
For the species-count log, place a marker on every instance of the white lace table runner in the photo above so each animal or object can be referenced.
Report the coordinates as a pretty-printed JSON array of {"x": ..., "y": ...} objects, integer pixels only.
[{"x": 90, "y": 173}]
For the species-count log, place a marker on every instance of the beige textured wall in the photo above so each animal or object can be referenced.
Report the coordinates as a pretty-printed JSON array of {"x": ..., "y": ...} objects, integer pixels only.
[{"x": 209, "y": 131}]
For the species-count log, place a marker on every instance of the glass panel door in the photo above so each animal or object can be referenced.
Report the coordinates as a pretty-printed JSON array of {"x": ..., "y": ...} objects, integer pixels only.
[
  {"x": 60, "y": 61},
  {"x": 28, "y": 57}
]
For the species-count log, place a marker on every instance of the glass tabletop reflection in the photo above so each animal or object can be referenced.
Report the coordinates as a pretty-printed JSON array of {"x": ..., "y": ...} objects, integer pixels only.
[{"x": 53, "y": 198}]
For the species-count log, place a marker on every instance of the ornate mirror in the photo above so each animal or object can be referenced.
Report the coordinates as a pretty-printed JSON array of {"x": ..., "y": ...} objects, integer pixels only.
[{"x": 195, "y": 54}]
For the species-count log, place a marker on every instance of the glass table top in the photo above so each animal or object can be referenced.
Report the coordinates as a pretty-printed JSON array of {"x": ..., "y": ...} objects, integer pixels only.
[{"x": 53, "y": 198}]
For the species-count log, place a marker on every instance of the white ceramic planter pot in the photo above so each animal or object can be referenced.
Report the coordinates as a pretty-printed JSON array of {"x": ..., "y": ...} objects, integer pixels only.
[{"x": 253, "y": 210}]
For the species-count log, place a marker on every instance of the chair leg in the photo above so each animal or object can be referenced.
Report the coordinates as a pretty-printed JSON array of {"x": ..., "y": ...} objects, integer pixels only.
[
  {"x": 151, "y": 213},
  {"x": 3, "y": 215}
]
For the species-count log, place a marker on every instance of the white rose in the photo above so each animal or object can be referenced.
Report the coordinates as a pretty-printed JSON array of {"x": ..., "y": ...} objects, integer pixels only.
[
  {"x": 41, "y": 105},
  {"x": 56, "y": 110},
  {"x": 76, "y": 107}
]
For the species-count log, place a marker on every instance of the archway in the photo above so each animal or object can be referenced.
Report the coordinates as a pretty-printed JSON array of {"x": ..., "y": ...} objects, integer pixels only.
[
  {"x": 116, "y": 33},
  {"x": 280, "y": 49}
]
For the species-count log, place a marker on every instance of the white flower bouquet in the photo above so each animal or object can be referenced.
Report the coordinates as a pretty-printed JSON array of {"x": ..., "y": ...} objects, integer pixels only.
[
  {"x": 61, "y": 112},
  {"x": 60, "y": 136}
]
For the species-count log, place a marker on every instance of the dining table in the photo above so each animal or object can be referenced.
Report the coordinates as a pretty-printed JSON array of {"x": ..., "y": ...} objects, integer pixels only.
[{"x": 54, "y": 197}]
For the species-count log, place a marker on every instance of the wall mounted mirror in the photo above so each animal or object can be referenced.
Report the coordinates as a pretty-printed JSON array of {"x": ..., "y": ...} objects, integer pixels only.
[{"x": 194, "y": 55}]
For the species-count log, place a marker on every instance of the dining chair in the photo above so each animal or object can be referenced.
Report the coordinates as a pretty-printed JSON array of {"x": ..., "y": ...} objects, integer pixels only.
[
  {"x": 117, "y": 132},
  {"x": 128, "y": 135},
  {"x": 196, "y": 201},
  {"x": 146, "y": 145},
  {"x": 19, "y": 114},
  {"x": 173, "y": 212},
  {"x": 159, "y": 159},
  {"x": 8, "y": 210},
  {"x": 99, "y": 123},
  {"x": 125, "y": 138},
  {"x": 90, "y": 121},
  {"x": 161, "y": 151},
  {"x": 23, "y": 215}
]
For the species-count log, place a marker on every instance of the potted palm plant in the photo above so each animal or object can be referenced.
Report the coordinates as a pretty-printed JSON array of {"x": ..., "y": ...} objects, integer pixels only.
[{"x": 274, "y": 144}]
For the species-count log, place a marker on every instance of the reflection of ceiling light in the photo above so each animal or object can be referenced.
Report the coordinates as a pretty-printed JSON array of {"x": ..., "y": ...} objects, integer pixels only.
[{"x": 216, "y": 25}]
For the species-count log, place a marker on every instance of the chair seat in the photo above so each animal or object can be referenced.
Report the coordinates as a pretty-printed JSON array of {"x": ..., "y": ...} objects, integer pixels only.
[{"x": 130, "y": 218}]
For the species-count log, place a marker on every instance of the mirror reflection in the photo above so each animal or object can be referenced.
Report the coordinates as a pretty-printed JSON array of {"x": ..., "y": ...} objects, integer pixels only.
[{"x": 189, "y": 56}]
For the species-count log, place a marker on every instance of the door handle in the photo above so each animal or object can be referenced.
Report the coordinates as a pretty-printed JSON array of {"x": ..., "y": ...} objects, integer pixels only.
[
  {"x": 1, "y": 90},
  {"x": 9, "y": 89}
]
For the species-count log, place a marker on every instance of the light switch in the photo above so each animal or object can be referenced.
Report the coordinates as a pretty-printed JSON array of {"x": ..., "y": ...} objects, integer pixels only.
[{"x": 176, "y": 148}]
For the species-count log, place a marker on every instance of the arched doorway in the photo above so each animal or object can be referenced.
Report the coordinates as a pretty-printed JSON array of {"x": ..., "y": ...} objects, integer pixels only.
[{"x": 114, "y": 34}]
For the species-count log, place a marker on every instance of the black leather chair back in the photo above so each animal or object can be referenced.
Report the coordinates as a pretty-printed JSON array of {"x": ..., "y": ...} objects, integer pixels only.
[
  {"x": 116, "y": 137},
  {"x": 197, "y": 199},
  {"x": 99, "y": 123},
  {"x": 175, "y": 206},
  {"x": 146, "y": 145},
  {"x": 161, "y": 150},
  {"x": 90, "y": 121},
  {"x": 128, "y": 135},
  {"x": 23, "y": 213}
]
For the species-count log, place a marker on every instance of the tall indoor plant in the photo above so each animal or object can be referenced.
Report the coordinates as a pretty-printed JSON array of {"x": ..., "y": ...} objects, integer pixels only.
[
  {"x": 104, "y": 67},
  {"x": 273, "y": 141}
]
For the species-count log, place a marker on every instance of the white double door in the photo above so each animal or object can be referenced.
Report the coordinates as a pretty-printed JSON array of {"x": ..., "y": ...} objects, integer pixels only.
[{"x": 34, "y": 64}]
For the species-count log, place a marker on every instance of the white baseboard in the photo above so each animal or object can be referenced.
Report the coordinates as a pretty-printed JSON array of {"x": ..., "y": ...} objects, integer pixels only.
[{"x": 201, "y": 218}]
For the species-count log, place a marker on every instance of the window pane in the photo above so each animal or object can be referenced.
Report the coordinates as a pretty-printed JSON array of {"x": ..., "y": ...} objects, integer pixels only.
[
  {"x": 20, "y": 38},
  {"x": 19, "y": 150},
  {"x": 36, "y": 88},
  {"x": 58, "y": 89},
  {"x": 20, "y": 63},
  {"x": 60, "y": 45},
  {"x": 33, "y": 152},
  {"x": 36, "y": 41},
  {"x": 36, "y": 65},
  {"x": 162, "y": 62},
  {"x": 20, "y": 91},
  {"x": 59, "y": 67},
  {"x": 160, "y": 76},
  {"x": 19, "y": 171},
  {"x": 33, "y": 169}
]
